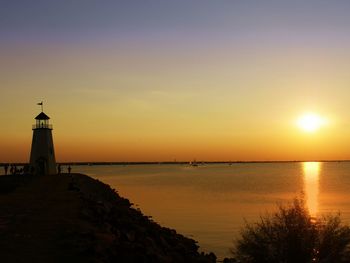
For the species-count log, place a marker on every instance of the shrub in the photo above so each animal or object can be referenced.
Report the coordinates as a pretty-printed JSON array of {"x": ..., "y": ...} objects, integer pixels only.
[{"x": 291, "y": 235}]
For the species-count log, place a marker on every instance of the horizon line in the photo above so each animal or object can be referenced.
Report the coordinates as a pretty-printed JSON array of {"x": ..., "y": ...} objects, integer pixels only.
[{"x": 180, "y": 162}]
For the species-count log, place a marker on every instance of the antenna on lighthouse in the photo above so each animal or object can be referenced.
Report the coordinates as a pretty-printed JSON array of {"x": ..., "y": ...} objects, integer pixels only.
[{"x": 42, "y": 106}]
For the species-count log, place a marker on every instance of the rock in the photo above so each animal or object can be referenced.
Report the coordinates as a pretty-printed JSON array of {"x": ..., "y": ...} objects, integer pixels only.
[
  {"x": 85, "y": 220},
  {"x": 229, "y": 260},
  {"x": 136, "y": 237}
]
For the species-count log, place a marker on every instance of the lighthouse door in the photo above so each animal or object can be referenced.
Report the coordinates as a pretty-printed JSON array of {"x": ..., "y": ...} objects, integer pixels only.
[{"x": 41, "y": 166}]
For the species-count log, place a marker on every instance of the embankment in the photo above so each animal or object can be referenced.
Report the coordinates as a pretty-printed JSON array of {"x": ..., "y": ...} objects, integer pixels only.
[{"x": 75, "y": 218}]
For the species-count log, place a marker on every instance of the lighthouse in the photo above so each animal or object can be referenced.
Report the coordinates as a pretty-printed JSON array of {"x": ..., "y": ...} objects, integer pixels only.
[{"x": 42, "y": 155}]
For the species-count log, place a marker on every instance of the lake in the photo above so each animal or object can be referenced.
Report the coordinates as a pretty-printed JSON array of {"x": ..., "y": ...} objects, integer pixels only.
[{"x": 210, "y": 202}]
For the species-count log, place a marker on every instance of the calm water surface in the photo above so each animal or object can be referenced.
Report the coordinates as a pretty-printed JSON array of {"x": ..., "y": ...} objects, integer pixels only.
[{"x": 210, "y": 202}]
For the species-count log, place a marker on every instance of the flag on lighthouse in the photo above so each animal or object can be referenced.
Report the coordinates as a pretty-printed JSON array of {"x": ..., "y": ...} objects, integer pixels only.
[{"x": 42, "y": 107}]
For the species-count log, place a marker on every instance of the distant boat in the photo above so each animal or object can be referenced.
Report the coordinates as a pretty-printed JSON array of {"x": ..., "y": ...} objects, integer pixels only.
[{"x": 194, "y": 163}]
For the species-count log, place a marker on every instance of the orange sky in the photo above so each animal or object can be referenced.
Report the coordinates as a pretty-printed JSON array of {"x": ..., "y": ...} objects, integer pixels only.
[{"x": 219, "y": 84}]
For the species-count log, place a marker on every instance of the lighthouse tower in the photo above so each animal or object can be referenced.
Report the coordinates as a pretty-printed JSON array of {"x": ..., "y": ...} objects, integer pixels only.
[{"x": 42, "y": 155}]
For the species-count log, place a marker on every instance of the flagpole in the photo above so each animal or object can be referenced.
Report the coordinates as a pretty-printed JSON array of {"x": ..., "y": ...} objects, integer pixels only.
[{"x": 42, "y": 106}]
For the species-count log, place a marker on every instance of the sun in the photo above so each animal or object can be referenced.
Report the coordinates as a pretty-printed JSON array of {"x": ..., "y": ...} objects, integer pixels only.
[{"x": 311, "y": 122}]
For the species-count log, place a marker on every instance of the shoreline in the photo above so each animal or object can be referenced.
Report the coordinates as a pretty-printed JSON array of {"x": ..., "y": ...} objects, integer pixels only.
[
  {"x": 199, "y": 162},
  {"x": 76, "y": 218}
]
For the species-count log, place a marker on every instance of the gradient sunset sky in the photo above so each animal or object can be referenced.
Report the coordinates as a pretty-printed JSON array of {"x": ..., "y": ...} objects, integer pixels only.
[{"x": 165, "y": 80}]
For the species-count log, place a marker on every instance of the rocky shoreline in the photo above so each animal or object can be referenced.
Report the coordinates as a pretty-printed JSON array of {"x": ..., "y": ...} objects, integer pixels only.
[{"x": 75, "y": 218}]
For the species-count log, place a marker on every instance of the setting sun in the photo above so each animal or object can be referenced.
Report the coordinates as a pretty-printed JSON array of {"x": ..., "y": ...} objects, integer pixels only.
[{"x": 311, "y": 122}]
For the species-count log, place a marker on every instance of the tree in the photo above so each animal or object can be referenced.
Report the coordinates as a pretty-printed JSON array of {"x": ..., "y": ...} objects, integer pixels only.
[{"x": 291, "y": 235}]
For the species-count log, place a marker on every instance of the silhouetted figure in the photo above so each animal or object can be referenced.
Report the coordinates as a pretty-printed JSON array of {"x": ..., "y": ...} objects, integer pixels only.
[
  {"x": 59, "y": 169},
  {"x": 69, "y": 169},
  {"x": 6, "y": 167},
  {"x": 32, "y": 170},
  {"x": 26, "y": 169},
  {"x": 12, "y": 171}
]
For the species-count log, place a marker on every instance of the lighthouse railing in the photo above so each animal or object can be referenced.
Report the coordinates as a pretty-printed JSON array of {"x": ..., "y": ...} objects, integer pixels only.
[{"x": 42, "y": 126}]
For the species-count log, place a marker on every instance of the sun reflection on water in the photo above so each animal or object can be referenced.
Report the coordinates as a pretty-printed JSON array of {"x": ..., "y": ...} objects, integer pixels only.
[{"x": 311, "y": 185}]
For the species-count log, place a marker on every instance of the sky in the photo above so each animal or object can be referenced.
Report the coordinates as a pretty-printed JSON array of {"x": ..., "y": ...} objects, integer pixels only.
[{"x": 176, "y": 80}]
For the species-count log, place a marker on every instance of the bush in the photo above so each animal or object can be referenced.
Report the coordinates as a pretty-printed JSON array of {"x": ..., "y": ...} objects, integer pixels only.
[{"x": 291, "y": 235}]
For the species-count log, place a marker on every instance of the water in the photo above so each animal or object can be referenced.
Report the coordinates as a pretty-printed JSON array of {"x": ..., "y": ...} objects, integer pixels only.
[{"x": 209, "y": 203}]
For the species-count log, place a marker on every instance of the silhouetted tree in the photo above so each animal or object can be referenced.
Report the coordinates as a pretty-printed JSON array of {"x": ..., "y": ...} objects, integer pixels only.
[{"x": 291, "y": 235}]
